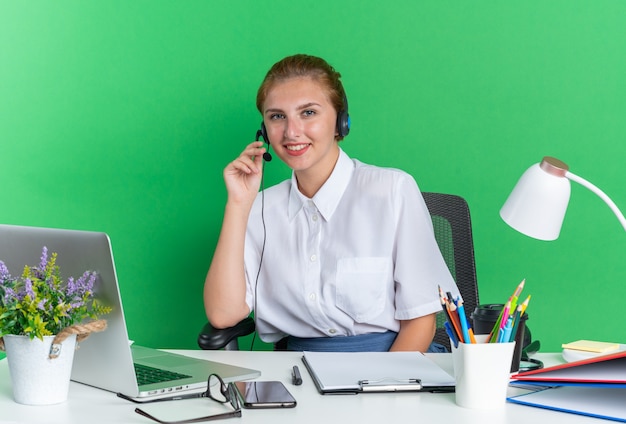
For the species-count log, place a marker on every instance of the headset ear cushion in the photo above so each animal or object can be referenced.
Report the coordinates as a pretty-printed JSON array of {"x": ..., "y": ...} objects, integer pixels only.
[
  {"x": 343, "y": 123},
  {"x": 343, "y": 118}
]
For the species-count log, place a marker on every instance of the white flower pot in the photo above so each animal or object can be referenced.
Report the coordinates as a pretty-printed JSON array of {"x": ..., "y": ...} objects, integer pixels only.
[{"x": 36, "y": 378}]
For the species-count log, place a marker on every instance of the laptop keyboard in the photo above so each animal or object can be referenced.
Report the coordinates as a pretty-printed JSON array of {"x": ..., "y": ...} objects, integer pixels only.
[{"x": 149, "y": 375}]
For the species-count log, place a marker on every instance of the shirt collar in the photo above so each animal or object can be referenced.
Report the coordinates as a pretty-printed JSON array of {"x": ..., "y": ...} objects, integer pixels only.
[{"x": 328, "y": 196}]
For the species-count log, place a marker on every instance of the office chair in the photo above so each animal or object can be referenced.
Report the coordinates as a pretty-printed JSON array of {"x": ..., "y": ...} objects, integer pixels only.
[{"x": 453, "y": 232}]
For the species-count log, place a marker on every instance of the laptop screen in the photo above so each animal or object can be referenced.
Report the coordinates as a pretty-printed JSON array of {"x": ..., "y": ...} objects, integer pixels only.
[{"x": 104, "y": 359}]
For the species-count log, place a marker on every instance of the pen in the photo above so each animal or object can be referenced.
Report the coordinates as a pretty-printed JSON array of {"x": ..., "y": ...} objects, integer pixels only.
[{"x": 296, "y": 379}]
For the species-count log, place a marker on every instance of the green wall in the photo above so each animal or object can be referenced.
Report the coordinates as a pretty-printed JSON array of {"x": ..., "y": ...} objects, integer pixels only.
[{"x": 119, "y": 116}]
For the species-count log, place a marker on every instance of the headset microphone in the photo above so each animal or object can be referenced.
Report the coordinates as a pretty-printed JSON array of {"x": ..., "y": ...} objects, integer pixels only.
[{"x": 267, "y": 157}]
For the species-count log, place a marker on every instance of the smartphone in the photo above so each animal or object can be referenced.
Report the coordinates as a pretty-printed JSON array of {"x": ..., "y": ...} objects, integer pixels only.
[{"x": 264, "y": 394}]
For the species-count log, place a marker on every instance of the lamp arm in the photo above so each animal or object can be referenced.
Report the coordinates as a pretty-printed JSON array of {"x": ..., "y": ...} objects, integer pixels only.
[{"x": 600, "y": 194}]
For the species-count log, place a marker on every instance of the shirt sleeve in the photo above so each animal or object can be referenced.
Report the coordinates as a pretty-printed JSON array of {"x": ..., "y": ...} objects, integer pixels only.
[{"x": 419, "y": 267}]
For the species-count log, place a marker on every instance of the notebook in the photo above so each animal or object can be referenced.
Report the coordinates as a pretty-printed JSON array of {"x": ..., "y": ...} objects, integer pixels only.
[
  {"x": 107, "y": 360},
  {"x": 599, "y": 402},
  {"x": 593, "y": 386},
  {"x": 609, "y": 369}
]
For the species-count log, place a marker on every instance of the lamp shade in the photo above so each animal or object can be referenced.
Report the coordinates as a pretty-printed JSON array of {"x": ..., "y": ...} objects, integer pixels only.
[{"x": 536, "y": 206}]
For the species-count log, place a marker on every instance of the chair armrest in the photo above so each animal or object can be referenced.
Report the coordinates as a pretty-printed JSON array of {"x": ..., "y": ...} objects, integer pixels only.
[{"x": 211, "y": 338}]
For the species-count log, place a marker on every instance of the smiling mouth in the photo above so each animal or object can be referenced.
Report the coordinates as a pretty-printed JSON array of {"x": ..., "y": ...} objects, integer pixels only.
[{"x": 297, "y": 147}]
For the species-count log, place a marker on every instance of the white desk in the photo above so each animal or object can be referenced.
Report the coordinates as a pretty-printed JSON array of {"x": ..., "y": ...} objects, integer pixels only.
[{"x": 88, "y": 405}]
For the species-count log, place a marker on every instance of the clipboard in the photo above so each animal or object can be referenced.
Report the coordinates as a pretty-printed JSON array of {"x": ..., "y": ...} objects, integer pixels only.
[{"x": 375, "y": 372}]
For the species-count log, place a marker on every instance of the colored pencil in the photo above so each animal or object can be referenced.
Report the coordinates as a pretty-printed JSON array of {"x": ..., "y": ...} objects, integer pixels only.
[
  {"x": 455, "y": 319},
  {"x": 525, "y": 304},
  {"x": 515, "y": 296},
  {"x": 516, "y": 319},
  {"x": 493, "y": 336},
  {"x": 505, "y": 314},
  {"x": 445, "y": 305},
  {"x": 453, "y": 337},
  {"x": 463, "y": 321},
  {"x": 471, "y": 334}
]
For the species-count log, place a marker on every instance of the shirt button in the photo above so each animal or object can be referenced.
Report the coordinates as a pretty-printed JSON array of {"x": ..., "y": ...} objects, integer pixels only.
[
  {"x": 313, "y": 258},
  {"x": 314, "y": 218},
  {"x": 312, "y": 296},
  {"x": 332, "y": 331}
]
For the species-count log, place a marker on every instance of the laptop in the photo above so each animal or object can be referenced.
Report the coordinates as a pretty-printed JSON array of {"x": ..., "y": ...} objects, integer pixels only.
[{"x": 107, "y": 360}]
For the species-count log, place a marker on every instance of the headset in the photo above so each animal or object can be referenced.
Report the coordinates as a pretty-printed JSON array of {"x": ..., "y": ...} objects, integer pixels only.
[
  {"x": 267, "y": 157},
  {"x": 343, "y": 119},
  {"x": 342, "y": 127}
]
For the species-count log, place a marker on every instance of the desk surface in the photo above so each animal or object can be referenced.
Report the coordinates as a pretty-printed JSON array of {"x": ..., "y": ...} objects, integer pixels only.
[{"x": 89, "y": 405}]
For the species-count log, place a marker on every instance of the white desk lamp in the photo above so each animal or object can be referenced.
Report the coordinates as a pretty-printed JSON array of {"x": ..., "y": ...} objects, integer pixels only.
[{"x": 536, "y": 206}]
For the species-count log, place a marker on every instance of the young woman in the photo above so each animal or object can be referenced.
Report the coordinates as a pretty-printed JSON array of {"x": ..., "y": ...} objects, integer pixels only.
[{"x": 340, "y": 257}]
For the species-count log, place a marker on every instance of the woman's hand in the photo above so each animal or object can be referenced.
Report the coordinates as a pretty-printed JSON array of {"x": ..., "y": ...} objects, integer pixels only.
[
  {"x": 225, "y": 284},
  {"x": 243, "y": 175}
]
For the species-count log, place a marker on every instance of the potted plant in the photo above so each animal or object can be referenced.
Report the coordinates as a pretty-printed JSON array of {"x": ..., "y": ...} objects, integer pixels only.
[{"x": 41, "y": 319}]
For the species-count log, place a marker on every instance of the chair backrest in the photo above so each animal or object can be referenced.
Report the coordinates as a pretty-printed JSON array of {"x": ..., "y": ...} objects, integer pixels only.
[{"x": 453, "y": 232}]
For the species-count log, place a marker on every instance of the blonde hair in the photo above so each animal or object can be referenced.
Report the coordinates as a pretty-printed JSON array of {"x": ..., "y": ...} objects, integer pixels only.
[{"x": 302, "y": 65}]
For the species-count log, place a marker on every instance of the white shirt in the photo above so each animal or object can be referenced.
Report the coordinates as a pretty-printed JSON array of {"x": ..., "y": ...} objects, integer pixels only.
[{"x": 356, "y": 258}]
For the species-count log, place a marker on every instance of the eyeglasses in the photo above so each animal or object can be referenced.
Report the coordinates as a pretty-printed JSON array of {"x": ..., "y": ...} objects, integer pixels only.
[{"x": 216, "y": 390}]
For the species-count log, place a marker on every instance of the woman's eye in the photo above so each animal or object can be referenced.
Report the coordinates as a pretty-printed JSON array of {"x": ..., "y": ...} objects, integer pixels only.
[
  {"x": 275, "y": 116},
  {"x": 308, "y": 112}
]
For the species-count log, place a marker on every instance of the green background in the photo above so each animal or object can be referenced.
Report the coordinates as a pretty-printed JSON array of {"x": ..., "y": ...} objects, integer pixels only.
[{"x": 119, "y": 116}]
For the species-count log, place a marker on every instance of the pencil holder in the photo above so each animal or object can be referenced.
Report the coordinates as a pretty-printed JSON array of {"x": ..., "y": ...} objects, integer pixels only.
[
  {"x": 484, "y": 318},
  {"x": 482, "y": 374}
]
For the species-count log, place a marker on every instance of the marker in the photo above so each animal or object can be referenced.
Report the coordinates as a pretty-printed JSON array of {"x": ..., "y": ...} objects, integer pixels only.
[
  {"x": 296, "y": 379},
  {"x": 506, "y": 331}
]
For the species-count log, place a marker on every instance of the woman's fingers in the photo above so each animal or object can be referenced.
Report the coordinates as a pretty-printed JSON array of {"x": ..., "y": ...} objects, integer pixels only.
[{"x": 249, "y": 161}]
